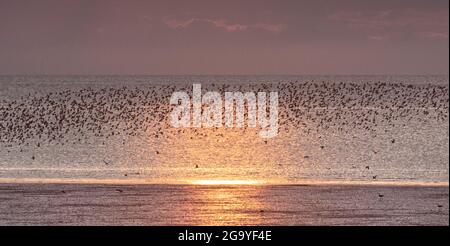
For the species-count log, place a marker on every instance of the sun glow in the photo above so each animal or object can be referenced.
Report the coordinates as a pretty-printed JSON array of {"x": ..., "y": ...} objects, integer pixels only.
[{"x": 225, "y": 182}]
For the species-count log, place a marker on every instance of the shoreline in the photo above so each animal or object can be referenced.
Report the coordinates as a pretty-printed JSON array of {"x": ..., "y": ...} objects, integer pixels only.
[{"x": 223, "y": 182}]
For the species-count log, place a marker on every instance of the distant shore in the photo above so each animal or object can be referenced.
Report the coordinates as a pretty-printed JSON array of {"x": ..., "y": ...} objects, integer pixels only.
[{"x": 159, "y": 204}]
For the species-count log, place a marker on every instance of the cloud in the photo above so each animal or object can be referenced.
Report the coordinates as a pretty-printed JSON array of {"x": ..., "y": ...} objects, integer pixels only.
[
  {"x": 224, "y": 24},
  {"x": 434, "y": 35},
  {"x": 270, "y": 27},
  {"x": 228, "y": 27},
  {"x": 382, "y": 25},
  {"x": 173, "y": 23},
  {"x": 378, "y": 38}
]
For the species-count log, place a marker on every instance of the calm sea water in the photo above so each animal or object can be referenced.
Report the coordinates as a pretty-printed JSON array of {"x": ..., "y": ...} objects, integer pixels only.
[
  {"x": 369, "y": 129},
  {"x": 248, "y": 205}
]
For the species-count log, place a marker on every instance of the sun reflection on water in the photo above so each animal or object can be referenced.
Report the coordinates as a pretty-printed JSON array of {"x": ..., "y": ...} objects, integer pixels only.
[
  {"x": 226, "y": 204},
  {"x": 225, "y": 182},
  {"x": 221, "y": 157}
]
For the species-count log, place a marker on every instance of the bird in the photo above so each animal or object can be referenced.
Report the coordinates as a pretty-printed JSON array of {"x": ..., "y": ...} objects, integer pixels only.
[{"x": 380, "y": 195}]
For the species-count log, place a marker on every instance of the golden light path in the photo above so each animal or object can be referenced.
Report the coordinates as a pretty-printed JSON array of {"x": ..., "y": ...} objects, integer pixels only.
[
  {"x": 219, "y": 157},
  {"x": 226, "y": 182}
]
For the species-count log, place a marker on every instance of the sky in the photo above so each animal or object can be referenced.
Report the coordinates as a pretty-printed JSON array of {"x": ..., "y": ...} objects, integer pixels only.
[{"x": 224, "y": 37}]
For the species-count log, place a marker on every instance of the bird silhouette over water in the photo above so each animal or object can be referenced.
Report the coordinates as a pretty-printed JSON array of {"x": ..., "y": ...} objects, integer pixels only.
[{"x": 89, "y": 114}]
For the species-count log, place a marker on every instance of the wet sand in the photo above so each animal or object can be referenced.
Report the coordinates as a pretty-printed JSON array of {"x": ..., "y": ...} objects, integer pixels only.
[{"x": 95, "y": 204}]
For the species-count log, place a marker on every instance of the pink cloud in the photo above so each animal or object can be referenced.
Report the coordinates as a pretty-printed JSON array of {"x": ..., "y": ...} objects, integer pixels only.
[
  {"x": 380, "y": 25},
  {"x": 228, "y": 27},
  {"x": 270, "y": 27},
  {"x": 224, "y": 24},
  {"x": 434, "y": 35},
  {"x": 378, "y": 38},
  {"x": 173, "y": 23}
]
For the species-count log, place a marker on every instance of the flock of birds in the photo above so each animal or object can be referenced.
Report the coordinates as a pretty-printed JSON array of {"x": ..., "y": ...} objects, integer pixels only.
[
  {"x": 77, "y": 116},
  {"x": 371, "y": 107}
]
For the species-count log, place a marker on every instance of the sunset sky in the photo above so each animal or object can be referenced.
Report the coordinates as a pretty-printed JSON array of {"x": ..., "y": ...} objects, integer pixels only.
[{"x": 224, "y": 37}]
